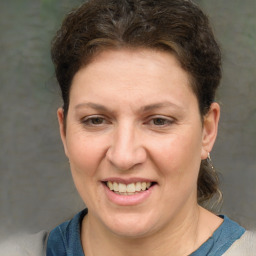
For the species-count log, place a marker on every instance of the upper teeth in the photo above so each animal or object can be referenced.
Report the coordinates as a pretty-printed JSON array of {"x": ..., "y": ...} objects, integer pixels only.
[{"x": 130, "y": 188}]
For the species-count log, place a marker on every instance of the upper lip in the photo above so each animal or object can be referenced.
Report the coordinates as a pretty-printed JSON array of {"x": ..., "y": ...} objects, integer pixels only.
[{"x": 127, "y": 181}]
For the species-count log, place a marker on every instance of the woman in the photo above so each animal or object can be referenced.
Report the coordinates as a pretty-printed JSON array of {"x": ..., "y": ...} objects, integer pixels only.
[{"x": 139, "y": 120}]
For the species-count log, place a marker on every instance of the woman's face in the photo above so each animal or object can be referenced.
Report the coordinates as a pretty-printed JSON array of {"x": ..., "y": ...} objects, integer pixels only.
[{"x": 134, "y": 126}]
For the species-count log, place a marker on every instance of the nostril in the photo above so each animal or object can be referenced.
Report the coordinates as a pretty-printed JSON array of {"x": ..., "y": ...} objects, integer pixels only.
[{"x": 126, "y": 159}]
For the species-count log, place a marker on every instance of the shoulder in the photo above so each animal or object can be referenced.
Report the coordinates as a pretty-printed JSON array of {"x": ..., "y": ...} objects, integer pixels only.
[
  {"x": 222, "y": 239},
  {"x": 66, "y": 237},
  {"x": 25, "y": 245},
  {"x": 57, "y": 240},
  {"x": 245, "y": 246},
  {"x": 227, "y": 234}
]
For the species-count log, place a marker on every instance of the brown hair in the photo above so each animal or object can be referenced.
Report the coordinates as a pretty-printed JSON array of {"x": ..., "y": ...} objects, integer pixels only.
[{"x": 177, "y": 26}]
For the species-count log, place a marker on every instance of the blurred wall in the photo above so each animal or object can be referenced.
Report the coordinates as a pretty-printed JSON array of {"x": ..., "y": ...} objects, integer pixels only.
[{"x": 36, "y": 189}]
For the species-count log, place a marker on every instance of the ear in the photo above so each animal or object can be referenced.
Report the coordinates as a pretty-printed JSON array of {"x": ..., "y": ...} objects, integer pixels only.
[
  {"x": 210, "y": 129},
  {"x": 61, "y": 119}
]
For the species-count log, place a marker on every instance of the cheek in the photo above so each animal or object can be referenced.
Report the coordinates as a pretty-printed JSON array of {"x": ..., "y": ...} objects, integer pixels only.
[
  {"x": 178, "y": 156},
  {"x": 85, "y": 154},
  {"x": 178, "y": 163}
]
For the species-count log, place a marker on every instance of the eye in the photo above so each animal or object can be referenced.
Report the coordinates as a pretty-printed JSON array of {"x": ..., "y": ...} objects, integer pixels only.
[
  {"x": 94, "y": 121},
  {"x": 160, "y": 121}
]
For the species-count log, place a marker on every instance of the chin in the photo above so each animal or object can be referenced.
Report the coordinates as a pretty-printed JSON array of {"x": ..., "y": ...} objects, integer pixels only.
[
  {"x": 130, "y": 226},
  {"x": 131, "y": 232}
]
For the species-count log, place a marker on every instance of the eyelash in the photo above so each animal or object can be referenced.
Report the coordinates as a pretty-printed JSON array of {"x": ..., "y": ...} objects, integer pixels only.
[
  {"x": 164, "y": 121},
  {"x": 88, "y": 121}
]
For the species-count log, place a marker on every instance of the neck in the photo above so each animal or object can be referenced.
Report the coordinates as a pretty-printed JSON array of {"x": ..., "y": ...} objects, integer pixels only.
[{"x": 180, "y": 237}]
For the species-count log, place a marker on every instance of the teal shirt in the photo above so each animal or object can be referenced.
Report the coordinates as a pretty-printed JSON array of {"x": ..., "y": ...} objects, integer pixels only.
[
  {"x": 223, "y": 237},
  {"x": 64, "y": 240}
]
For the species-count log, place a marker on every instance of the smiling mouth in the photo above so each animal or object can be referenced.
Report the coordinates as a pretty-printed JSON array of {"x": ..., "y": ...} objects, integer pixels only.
[{"x": 128, "y": 189}]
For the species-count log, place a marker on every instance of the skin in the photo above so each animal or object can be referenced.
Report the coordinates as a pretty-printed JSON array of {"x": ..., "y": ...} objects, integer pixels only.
[{"x": 133, "y": 115}]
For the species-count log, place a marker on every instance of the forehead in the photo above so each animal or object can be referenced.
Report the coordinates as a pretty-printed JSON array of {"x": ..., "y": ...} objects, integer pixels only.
[{"x": 138, "y": 75}]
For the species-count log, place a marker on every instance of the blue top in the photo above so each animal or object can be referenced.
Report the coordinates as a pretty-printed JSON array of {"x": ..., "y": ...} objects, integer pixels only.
[{"x": 64, "y": 240}]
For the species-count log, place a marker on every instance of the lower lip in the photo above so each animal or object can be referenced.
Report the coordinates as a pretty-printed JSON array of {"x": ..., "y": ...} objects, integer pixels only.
[{"x": 128, "y": 200}]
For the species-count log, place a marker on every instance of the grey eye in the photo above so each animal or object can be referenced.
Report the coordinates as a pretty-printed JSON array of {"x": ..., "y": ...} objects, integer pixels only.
[
  {"x": 160, "y": 121},
  {"x": 96, "y": 120}
]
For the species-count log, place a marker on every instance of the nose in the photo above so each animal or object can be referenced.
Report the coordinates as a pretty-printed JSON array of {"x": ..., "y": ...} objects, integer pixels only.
[{"x": 126, "y": 150}]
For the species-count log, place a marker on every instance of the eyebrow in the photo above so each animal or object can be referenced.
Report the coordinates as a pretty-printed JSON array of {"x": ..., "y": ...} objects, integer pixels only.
[
  {"x": 146, "y": 108},
  {"x": 91, "y": 105},
  {"x": 164, "y": 104}
]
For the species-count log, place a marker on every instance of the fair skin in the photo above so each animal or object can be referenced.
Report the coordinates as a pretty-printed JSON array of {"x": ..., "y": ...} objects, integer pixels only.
[{"x": 133, "y": 118}]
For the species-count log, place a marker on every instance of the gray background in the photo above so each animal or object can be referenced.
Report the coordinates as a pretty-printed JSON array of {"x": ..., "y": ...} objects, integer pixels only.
[{"x": 36, "y": 189}]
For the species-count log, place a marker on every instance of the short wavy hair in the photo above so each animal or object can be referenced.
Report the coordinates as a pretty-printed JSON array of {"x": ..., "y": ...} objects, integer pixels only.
[{"x": 176, "y": 26}]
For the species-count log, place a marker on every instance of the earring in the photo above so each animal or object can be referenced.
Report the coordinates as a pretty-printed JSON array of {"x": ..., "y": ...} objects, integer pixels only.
[{"x": 209, "y": 161}]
